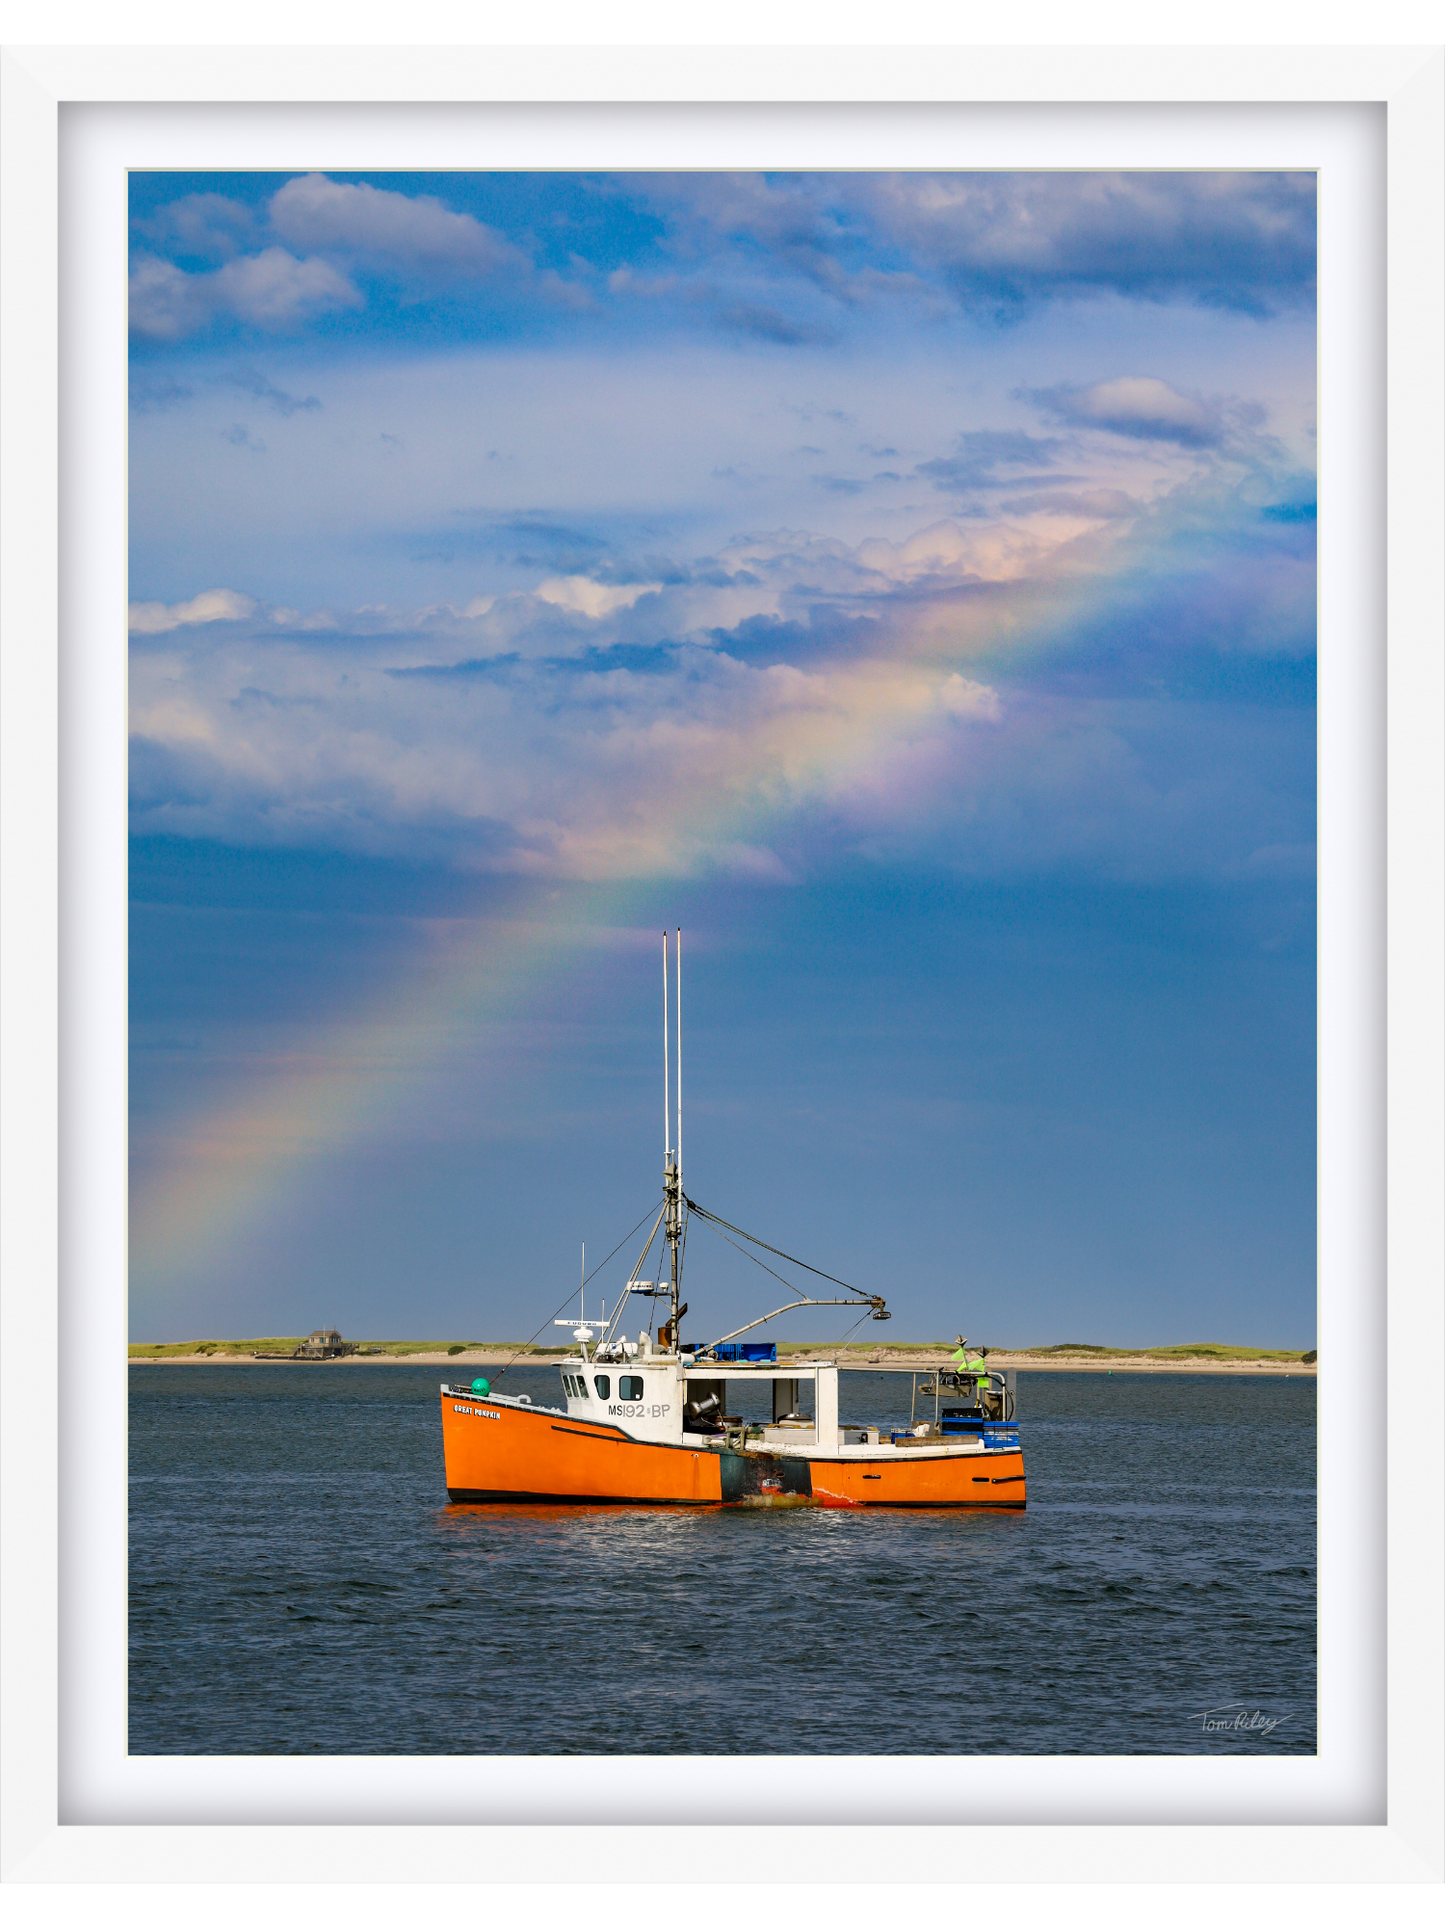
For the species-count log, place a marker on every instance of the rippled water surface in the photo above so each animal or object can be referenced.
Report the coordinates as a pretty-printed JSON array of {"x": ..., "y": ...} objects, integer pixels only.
[{"x": 299, "y": 1584}]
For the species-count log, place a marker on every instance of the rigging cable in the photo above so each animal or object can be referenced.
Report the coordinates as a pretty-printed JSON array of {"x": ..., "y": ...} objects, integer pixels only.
[
  {"x": 656, "y": 1291},
  {"x": 572, "y": 1294},
  {"x": 783, "y": 1281},
  {"x": 618, "y": 1246},
  {"x": 758, "y": 1261},
  {"x": 850, "y": 1331},
  {"x": 711, "y": 1217}
]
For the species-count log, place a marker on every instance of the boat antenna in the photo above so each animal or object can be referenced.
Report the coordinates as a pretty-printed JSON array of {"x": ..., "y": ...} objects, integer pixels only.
[
  {"x": 679, "y": 1059},
  {"x": 672, "y": 1162}
]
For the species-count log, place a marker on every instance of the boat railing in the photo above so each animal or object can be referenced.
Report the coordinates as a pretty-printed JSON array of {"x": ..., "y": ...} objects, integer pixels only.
[
  {"x": 968, "y": 1400},
  {"x": 489, "y": 1397}
]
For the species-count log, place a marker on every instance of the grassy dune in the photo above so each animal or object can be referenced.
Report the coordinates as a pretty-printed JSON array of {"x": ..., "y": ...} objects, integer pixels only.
[
  {"x": 407, "y": 1347},
  {"x": 204, "y": 1347},
  {"x": 1062, "y": 1354},
  {"x": 1224, "y": 1352},
  {"x": 283, "y": 1347}
]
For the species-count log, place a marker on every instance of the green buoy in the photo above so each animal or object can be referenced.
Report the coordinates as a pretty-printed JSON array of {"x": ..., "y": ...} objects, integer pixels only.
[{"x": 482, "y": 1385}]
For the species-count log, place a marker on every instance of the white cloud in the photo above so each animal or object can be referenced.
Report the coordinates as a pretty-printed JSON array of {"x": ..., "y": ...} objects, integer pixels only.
[
  {"x": 961, "y": 696},
  {"x": 466, "y": 738},
  {"x": 274, "y": 289},
  {"x": 1080, "y": 505},
  {"x": 271, "y": 289},
  {"x": 581, "y": 595},
  {"x": 997, "y": 240},
  {"x": 213, "y": 605},
  {"x": 1243, "y": 240},
  {"x": 941, "y": 549},
  {"x": 992, "y": 551},
  {"x": 937, "y": 561},
  {"x": 202, "y": 224},
  {"x": 1140, "y": 406},
  {"x": 412, "y": 231},
  {"x": 165, "y": 301},
  {"x": 403, "y": 739}
]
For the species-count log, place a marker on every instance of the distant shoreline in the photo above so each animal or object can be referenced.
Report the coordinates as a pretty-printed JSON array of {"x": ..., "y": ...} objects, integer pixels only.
[{"x": 1233, "y": 1359}]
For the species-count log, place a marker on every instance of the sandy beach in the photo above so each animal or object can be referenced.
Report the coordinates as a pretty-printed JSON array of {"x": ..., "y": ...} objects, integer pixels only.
[{"x": 480, "y": 1358}]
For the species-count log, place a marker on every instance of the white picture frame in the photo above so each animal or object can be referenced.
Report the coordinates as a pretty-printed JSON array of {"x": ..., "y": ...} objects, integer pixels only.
[{"x": 64, "y": 881}]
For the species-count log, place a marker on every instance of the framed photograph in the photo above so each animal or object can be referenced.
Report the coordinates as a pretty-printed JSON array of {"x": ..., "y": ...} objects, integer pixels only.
[{"x": 863, "y": 518}]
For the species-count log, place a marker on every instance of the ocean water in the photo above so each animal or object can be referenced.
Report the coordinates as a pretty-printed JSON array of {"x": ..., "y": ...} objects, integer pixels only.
[{"x": 300, "y": 1584}]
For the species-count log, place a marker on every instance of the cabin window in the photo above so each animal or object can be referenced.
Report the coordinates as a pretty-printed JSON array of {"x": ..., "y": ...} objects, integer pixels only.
[
  {"x": 603, "y": 1384},
  {"x": 629, "y": 1388}
]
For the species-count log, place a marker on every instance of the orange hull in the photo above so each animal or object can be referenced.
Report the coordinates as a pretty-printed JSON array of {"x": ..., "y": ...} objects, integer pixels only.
[
  {"x": 503, "y": 1452},
  {"x": 498, "y": 1452},
  {"x": 975, "y": 1478}
]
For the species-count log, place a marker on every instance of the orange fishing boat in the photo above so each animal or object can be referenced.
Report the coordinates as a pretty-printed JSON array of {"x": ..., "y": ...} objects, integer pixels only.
[{"x": 646, "y": 1422}]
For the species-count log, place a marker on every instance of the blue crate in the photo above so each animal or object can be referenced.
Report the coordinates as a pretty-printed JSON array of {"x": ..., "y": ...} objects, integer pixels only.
[{"x": 747, "y": 1354}]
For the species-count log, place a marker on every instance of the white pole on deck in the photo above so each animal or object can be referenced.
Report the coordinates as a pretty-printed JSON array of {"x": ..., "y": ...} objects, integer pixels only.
[
  {"x": 679, "y": 1056},
  {"x": 666, "y": 1068}
]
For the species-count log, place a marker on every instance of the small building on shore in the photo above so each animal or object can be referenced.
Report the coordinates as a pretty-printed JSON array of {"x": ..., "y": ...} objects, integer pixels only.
[{"x": 323, "y": 1344}]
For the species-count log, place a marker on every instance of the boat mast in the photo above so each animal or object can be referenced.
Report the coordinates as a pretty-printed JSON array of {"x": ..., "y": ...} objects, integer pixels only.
[
  {"x": 679, "y": 1061},
  {"x": 666, "y": 1076},
  {"x": 672, "y": 1162}
]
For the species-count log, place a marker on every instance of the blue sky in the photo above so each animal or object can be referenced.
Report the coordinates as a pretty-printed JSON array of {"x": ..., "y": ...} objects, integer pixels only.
[{"x": 906, "y": 583}]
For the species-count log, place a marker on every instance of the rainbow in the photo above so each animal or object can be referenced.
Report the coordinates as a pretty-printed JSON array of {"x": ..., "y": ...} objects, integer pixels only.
[
  {"x": 851, "y": 729},
  {"x": 255, "y": 1153}
]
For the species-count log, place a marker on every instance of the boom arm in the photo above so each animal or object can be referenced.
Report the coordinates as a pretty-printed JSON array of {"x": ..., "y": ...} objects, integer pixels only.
[{"x": 876, "y": 1305}]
